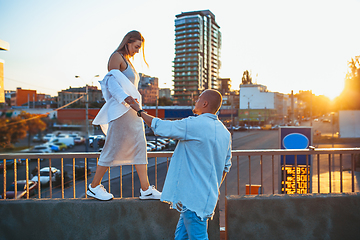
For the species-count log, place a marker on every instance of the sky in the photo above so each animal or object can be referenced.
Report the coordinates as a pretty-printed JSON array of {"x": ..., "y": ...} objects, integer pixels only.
[{"x": 286, "y": 45}]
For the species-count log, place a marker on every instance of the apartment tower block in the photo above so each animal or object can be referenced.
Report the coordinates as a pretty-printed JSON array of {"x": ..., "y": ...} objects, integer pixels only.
[{"x": 197, "y": 55}]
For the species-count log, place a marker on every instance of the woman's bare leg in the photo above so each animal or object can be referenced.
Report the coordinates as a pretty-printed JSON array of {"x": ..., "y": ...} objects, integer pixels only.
[
  {"x": 100, "y": 171},
  {"x": 141, "y": 170}
]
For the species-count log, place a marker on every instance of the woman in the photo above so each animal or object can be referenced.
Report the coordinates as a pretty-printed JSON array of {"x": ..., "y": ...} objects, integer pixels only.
[{"x": 125, "y": 137}]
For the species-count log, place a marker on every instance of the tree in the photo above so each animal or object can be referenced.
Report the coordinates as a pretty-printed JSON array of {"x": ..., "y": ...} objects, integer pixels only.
[
  {"x": 319, "y": 104},
  {"x": 11, "y": 130},
  {"x": 349, "y": 98},
  {"x": 16, "y": 128},
  {"x": 34, "y": 125},
  {"x": 246, "y": 78}
]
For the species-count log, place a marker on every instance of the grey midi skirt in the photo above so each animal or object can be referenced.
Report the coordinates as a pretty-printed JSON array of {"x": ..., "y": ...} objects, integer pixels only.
[{"x": 125, "y": 142}]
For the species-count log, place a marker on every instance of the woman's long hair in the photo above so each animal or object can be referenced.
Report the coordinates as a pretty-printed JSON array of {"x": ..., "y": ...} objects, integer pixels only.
[{"x": 131, "y": 37}]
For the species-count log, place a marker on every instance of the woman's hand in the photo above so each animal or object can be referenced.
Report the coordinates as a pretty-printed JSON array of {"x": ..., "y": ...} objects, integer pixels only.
[{"x": 134, "y": 104}]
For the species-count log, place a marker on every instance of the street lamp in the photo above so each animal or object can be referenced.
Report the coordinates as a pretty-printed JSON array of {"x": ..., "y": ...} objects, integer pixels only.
[{"x": 87, "y": 114}]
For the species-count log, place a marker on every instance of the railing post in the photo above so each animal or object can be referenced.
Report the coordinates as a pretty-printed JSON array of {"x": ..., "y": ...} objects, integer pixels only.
[
  {"x": 341, "y": 174},
  {"x": 132, "y": 181},
  {"x": 318, "y": 171},
  {"x": 273, "y": 174},
  {"x": 74, "y": 177},
  {"x": 121, "y": 188},
  {"x": 50, "y": 178},
  {"x": 62, "y": 178},
  {"x": 261, "y": 177},
  {"x": 38, "y": 174},
  {"x": 85, "y": 176},
  {"x": 238, "y": 175},
  {"x": 156, "y": 186},
  {"x": 330, "y": 173},
  {"x": 15, "y": 179},
  {"x": 352, "y": 173},
  {"x": 109, "y": 179},
  {"x": 284, "y": 173},
  {"x": 249, "y": 174},
  {"x": 296, "y": 182},
  {"x": 27, "y": 178},
  {"x": 4, "y": 172}
]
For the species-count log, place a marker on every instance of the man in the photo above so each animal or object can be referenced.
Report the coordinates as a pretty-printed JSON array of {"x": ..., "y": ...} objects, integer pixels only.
[{"x": 199, "y": 163}]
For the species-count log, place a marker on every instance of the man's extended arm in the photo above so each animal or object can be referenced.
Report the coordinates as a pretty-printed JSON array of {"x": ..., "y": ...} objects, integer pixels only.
[{"x": 134, "y": 105}]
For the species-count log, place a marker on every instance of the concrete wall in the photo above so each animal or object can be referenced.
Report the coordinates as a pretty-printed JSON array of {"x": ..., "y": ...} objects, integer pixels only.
[
  {"x": 312, "y": 216},
  {"x": 91, "y": 219}
]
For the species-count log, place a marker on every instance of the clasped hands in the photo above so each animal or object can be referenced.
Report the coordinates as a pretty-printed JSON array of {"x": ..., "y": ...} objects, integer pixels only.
[{"x": 134, "y": 104}]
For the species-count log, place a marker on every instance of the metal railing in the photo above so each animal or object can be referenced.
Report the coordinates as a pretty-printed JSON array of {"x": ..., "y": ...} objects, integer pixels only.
[{"x": 263, "y": 168}]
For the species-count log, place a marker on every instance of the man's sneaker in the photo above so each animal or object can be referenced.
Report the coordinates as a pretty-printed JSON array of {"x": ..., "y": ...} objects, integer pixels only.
[
  {"x": 151, "y": 193},
  {"x": 99, "y": 192}
]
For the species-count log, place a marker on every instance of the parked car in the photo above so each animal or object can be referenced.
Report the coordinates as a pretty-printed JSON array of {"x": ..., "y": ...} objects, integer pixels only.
[
  {"x": 99, "y": 138},
  {"x": 44, "y": 175},
  {"x": 163, "y": 141},
  {"x": 21, "y": 189},
  {"x": 79, "y": 140},
  {"x": 162, "y": 146},
  {"x": 53, "y": 147},
  {"x": 275, "y": 127},
  {"x": 62, "y": 146},
  {"x": 266, "y": 127},
  {"x": 37, "y": 138},
  {"x": 48, "y": 137},
  {"x": 43, "y": 148},
  {"x": 68, "y": 141},
  {"x": 242, "y": 128},
  {"x": 74, "y": 135},
  {"x": 172, "y": 143},
  {"x": 153, "y": 147}
]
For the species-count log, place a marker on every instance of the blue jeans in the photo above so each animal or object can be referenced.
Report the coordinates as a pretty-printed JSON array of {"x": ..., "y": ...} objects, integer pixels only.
[{"x": 190, "y": 226}]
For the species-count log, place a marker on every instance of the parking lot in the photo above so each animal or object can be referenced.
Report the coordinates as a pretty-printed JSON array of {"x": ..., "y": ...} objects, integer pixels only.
[{"x": 56, "y": 163}]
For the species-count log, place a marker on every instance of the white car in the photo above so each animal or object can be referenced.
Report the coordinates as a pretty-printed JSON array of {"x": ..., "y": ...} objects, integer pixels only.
[
  {"x": 48, "y": 137},
  {"x": 162, "y": 146},
  {"x": 162, "y": 141},
  {"x": 153, "y": 147},
  {"x": 43, "y": 148},
  {"x": 44, "y": 175},
  {"x": 68, "y": 141}
]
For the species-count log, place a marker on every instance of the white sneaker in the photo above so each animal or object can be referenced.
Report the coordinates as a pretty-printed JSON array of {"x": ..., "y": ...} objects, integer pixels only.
[
  {"x": 99, "y": 192},
  {"x": 151, "y": 193}
]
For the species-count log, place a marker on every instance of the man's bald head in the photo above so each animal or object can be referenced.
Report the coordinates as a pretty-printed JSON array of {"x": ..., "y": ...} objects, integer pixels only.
[{"x": 214, "y": 98}]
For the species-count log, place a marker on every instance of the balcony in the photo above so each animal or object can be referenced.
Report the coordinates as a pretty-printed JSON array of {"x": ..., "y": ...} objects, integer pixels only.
[{"x": 329, "y": 209}]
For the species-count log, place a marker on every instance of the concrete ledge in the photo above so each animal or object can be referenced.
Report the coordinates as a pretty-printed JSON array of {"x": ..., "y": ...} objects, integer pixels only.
[
  {"x": 311, "y": 216},
  {"x": 91, "y": 219}
]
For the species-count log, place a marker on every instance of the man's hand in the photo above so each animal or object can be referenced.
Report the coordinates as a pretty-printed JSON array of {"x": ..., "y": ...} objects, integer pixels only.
[{"x": 134, "y": 104}]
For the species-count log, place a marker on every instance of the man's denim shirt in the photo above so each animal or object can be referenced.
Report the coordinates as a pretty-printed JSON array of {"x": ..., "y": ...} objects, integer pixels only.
[{"x": 196, "y": 167}]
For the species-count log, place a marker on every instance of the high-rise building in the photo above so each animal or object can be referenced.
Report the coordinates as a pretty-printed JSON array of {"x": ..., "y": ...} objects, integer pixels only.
[
  {"x": 5, "y": 47},
  {"x": 197, "y": 55}
]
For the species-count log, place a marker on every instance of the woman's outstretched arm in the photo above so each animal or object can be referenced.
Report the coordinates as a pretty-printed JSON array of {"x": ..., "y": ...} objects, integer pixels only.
[{"x": 134, "y": 105}]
